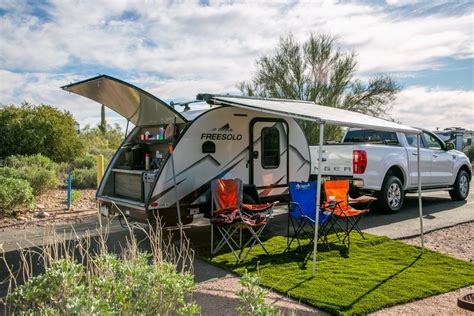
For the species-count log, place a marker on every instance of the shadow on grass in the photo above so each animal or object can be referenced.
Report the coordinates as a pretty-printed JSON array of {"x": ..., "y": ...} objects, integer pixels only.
[{"x": 350, "y": 306}]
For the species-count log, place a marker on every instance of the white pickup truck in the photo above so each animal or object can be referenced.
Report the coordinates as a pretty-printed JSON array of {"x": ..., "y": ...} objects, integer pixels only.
[{"x": 384, "y": 164}]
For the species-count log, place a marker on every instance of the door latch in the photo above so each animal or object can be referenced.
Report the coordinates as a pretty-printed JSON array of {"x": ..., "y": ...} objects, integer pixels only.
[{"x": 255, "y": 154}]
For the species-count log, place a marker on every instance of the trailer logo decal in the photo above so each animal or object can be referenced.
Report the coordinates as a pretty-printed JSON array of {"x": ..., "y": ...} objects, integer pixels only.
[{"x": 223, "y": 133}]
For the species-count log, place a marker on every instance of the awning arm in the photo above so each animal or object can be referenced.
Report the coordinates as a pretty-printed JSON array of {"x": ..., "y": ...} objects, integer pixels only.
[{"x": 318, "y": 196}]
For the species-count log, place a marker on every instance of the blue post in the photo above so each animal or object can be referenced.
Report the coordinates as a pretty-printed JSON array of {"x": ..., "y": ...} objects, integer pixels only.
[{"x": 69, "y": 191}]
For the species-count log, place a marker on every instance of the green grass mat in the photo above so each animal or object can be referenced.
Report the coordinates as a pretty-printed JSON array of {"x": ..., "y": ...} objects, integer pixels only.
[{"x": 374, "y": 273}]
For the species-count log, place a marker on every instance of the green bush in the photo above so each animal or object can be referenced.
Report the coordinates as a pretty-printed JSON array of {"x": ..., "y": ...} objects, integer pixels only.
[
  {"x": 111, "y": 287},
  {"x": 85, "y": 162},
  {"x": 14, "y": 193},
  {"x": 30, "y": 129},
  {"x": 84, "y": 179},
  {"x": 252, "y": 298},
  {"x": 75, "y": 196},
  {"x": 469, "y": 151},
  {"x": 36, "y": 161},
  {"x": 37, "y": 169}
]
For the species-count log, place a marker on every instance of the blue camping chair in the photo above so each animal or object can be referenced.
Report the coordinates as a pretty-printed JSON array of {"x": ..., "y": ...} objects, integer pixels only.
[{"x": 302, "y": 212}]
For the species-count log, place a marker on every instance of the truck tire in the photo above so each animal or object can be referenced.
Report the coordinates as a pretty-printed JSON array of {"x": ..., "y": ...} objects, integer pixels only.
[
  {"x": 391, "y": 197},
  {"x": 461, "y": 187}
]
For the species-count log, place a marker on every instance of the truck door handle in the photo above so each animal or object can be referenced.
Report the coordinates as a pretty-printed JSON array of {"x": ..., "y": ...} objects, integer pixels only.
[
  {"x": 414, "y": 154},
  {"x": 435, "y": 155},
  {"x": 255, "y": 154}
]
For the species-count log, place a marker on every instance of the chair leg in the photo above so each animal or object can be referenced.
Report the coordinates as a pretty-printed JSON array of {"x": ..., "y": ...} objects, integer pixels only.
[{"x": 296, "y": 231}]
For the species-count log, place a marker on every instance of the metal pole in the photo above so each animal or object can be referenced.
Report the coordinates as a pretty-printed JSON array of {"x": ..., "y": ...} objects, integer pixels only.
[
  {"x": 174, "y": 173},
  {"x": 318, "y": 196},
  {"x": 420, "y": 206},
  {"x": 69, "y": 191}
]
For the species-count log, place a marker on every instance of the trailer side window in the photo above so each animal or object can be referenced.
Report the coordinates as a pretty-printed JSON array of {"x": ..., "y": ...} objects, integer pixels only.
[
  {"x": 270, "y": 148},
  {"x": 208, "y": 147}
]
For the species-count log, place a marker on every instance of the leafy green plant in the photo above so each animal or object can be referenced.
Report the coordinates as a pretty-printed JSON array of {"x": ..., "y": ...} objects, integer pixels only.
[
  {"x": 469, "y": 151},
  {"x": 75, "y": 196},
  {"x": 90, "y": 280},
  {"x": 31, "y": 161},
  {"x": 85, "y": 162},
  {"x": 14, "y": 193},
  {"x": 111, "y": 286},
  {"x": 252, "y": 297},
  {"x": 30, "y": 129},
  {"x": 38, "y": 170},
  {"x": 84, "y": 179}
]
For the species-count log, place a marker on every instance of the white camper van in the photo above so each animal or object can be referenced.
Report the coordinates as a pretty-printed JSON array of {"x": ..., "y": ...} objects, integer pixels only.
[{"x": 265, "y": 150}]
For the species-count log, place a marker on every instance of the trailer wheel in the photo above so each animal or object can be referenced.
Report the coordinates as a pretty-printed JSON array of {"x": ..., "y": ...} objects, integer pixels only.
[
  {"x": 391, "y": 197},
  {"x": 461, "y": 187}
]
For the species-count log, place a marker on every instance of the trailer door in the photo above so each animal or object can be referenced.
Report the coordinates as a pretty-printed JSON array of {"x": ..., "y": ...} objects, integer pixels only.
[{"x": 269, "y": 155}]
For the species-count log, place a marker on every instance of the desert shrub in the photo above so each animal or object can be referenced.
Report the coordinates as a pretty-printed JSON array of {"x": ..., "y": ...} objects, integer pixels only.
[
  {"x": 31, "y": 161},
  {"x": 135, "y": 283},
  {"x": 37, "y": 169},
  {"x": 252, "y": 298},
  {"x": 84, "y": 179},
  {"x": 14, "y": 193},
  {"x": 30, "y": 129},
  {"x": 469, "y": 151},
  {"x": 85, "y": 162},
  {"x": 75, "y": 196}
]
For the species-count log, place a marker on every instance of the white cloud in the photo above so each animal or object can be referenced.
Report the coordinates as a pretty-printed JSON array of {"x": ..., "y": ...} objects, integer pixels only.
[
  {"x": 431, "y": 108},
  {"x": 176, "y": 50}
]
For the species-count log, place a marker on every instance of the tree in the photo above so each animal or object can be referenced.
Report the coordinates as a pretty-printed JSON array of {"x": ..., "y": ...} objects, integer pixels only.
[
  {"x": 30, "y": 129},
  {"x": 319, "y": 71}
]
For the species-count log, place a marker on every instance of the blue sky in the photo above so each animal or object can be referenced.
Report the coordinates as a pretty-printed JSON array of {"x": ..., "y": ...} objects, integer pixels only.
[{"x": 178, "y": 49}]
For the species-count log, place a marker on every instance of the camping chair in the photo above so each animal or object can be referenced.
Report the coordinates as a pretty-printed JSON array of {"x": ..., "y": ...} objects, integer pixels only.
[
  {"x": 302, "y": 212},
  {"x": 230, "y": 216},
  {"x": 341, "y": 207}
]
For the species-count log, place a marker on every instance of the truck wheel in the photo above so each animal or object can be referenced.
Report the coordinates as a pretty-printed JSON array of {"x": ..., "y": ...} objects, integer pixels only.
[
  {"x": 392, "y": 196},
  {"x": 461, "y": 187}
]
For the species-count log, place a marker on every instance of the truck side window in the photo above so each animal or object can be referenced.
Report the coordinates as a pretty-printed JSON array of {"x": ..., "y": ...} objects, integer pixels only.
[
  {"x": 433, "y": 142},
  {"x": 270, "y": 148},
  {"x": 411, "y": 140},
  {"x": 371, "y": 136}
]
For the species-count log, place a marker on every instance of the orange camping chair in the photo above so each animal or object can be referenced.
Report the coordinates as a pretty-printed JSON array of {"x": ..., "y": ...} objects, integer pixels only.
[
  {"x": 230, "y": 216},
  {"x": 342, "y": 209}
]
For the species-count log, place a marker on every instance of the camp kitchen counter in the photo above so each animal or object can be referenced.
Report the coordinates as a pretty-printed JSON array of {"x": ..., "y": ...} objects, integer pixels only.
[{"x": 135, "y": 184}]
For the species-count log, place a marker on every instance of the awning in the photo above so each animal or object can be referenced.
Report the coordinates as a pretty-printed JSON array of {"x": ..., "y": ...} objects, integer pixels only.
[
  {"x": 309, "y": 111},
  {"x": 321, "y": 115},
  {"x": 136, "y": 105}
]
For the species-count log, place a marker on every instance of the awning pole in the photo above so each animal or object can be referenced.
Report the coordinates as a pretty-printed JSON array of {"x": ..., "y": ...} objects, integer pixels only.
[
  {"x": 420, "y": 206},
  {"x": 318, "y": 196}
]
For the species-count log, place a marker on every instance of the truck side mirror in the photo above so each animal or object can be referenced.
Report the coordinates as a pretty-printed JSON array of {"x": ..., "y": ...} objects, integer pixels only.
[{"x": 449, "y": 146}]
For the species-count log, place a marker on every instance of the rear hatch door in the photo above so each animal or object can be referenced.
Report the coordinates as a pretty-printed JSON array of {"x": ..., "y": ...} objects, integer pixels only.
[{"x": 136, "y": 105}]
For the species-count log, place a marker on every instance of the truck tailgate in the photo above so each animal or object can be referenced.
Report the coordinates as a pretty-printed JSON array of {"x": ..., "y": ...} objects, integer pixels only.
[{"x": 337, "y": 160}]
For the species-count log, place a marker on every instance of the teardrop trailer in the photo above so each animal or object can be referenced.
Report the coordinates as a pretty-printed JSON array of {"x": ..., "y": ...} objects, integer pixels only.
[{"x": 265, "y": 150}]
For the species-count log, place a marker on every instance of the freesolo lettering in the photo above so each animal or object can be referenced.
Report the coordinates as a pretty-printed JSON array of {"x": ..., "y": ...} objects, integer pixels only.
[{"x": 219, "y": 136}]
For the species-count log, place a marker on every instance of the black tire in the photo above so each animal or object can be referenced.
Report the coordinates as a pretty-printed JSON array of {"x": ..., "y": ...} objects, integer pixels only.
[
  {"x": 391, "y": 197},
  {"x": 461, "y": 186}
]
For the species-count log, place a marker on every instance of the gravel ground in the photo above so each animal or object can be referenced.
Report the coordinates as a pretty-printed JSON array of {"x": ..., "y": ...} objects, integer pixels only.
[
  {"x": 52, "y": 207},
  {"x": 219, "y": 296}
]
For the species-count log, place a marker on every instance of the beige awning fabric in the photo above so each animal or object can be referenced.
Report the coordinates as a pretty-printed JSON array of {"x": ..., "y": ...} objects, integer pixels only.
[
  {"x": 136, "y": 105},
  {"x": 308, "y": 111}
]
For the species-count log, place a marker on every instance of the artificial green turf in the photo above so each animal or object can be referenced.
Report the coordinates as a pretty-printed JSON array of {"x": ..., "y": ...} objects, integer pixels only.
[{"x": 374, "y": 273}]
